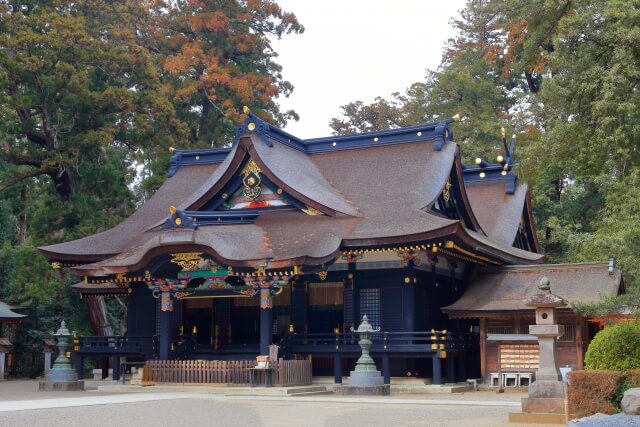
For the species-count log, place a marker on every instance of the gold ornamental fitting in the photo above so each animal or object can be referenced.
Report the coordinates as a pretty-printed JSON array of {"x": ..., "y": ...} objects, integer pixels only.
[
  {"x": 172, "y": 210},
  {"x": 251, "y": 126},
  {"x": 246, "y": 110},
  {"x": 456, "y": 118}
]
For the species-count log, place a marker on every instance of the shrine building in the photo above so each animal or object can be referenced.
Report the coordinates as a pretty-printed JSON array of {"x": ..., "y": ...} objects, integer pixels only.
[{"x": 280, "y": 240}]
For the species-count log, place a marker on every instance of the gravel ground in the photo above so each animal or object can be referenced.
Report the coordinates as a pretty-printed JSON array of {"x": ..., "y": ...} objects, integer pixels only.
[
  {"x": 220, "y": 411},
  {"x": 112, "y": 408},
  {"x": 602, "y": 420}
]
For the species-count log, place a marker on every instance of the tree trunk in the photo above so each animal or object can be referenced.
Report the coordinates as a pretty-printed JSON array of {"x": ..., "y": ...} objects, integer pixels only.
[{"x": 22, "y": 236}]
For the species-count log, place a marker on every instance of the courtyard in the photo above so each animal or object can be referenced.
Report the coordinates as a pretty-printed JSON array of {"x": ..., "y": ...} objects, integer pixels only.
[{"x": 22, "y": 405}]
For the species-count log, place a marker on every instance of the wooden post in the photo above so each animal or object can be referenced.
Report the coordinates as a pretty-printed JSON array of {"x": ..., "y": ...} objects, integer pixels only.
[
  {"x": 408, "y": 298},
  {"x": 80, "y": 366},
  {"x": 299, "y": 306},
  {"x": 47, "y": 363},
  {"x": 386, "y": 369},
  {"x": 483, "y": 349},
  {"x": 165, "y": 335},
  {"x": 437, "y": 368},
  {"x": 266, "y": 318},
  {"x": 116, "y": 368},
  {"x": 337, "y": 368},
  {"x": 579, "y": 325},
  {"x": 2, "y": 359},
  {"x": 450, "y": 366}
]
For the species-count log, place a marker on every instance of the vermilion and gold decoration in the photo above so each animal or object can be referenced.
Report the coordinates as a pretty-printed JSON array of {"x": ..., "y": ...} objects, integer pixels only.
[
  {"x": 187, "y": 260},
  {"x": 167, "y": 290},
  {"x": 410, "y": 258},
  {"x": 251, "y": 180},
  {"x": 446, "y": 195}
]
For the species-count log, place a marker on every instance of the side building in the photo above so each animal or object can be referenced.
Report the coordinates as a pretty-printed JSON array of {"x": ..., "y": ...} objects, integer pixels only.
[{"x": 291, "y": 241}]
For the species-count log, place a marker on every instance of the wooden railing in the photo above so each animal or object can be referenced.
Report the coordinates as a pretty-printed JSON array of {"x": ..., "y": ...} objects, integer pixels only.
[
  {"x": 198, "y": 371},
  {"x": 286, "y": 372},
  {"x": 143, "y": 346},
  {"x": 293, "y": 372},
  {"x": 383, "y": 342}
]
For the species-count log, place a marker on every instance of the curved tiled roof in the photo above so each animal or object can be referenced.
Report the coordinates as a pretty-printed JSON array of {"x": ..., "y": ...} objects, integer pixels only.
[
  {"x": 130, "y": 231},
  {"x": 7, "y": 314},
  {"x": 373, "y": 191},
  {"x": 505, "y": 289},
  {"x": 499, "y": 213}
]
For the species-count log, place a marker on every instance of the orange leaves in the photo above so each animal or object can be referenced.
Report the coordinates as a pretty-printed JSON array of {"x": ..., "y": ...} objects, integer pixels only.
[
  {"x": 212, "y": 21},
  {"x": 516, "y": 34},
  {"x": 191, "y": 55}
]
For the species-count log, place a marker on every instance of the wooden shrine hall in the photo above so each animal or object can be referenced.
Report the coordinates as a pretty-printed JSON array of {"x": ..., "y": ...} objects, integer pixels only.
[{"x": 289, "y": 241}]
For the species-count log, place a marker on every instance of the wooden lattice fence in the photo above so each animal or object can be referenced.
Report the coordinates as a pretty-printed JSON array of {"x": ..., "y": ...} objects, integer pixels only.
[{"x": 236, "y": 372}]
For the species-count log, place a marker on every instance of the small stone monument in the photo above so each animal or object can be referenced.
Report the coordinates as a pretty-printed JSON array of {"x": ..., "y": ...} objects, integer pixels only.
[
  {"x": 62, "y": 377},
  {"x": 545, "y": 403},
  {"x": 365, "y": 379}
]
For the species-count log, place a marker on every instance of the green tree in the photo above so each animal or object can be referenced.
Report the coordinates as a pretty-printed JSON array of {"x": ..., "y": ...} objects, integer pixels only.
[{"x": 74, "y": 81}]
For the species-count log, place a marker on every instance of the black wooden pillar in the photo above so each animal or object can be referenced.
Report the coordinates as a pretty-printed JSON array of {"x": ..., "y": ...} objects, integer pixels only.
[
  {"x": 408, "y": 303},
  {"x": 266, "y": 318},
  {"x": 79, "y": 365},
  {"x": 164, "y": 332},
  {"x": 450, "y": 366},
  {"x": 299, "y": 306},
  {"x": 437, "y": 369},
  {"x": 386, "y": 369},
  {"x": 337, "y": 368},
  {"x": 132, "y": 311},
  {"x": 116, "y": 368},
  {"x": 348, "y": 300}
]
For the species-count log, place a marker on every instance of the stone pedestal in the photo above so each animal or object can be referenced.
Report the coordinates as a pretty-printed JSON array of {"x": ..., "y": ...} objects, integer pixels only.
[
  {"x": 546, "y": 400},
  {"x": 61, "y": 386}
]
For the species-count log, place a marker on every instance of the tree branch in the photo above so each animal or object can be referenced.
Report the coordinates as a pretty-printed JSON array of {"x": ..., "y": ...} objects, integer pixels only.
[{"x": 31, "y": 174}]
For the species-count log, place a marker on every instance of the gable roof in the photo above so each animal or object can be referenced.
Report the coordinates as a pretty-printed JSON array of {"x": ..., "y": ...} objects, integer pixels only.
[
  {"x": 7, "y": 314},
  {"x": 360, "y": 190},
  {"x": 504, "y": 289}
]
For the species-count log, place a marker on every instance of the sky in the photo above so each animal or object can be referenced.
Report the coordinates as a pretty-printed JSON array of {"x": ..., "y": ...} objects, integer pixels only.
[{"x": 356, "y": 50}]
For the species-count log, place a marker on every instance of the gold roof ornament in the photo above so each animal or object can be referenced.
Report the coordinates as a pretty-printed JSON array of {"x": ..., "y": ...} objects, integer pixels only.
[
  {"x": 456, "y": 118},
  {"x": 246, "y": 110},
  {"x": 311, "y": 211},
  {"x": 172, "y": 210}
]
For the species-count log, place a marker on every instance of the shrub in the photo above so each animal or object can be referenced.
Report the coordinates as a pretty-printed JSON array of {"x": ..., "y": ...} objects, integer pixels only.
[
  {"x": 590, "y": 392},
  {"x": 633, "y": 377},
  {"x": 616, "y": 347}
]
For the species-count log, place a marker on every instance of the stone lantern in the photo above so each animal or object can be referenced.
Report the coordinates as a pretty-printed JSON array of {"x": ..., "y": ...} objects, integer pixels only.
[
  {"x": 546, "y": 330},
  {"x": 365, "y": 379},
  {"x": 545, "y": 402},
  {"x": 62, "y": 377}
]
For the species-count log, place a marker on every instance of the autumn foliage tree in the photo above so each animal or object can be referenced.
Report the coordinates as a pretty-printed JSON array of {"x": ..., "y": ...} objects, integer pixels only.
[{"x": 219, "y": 57}]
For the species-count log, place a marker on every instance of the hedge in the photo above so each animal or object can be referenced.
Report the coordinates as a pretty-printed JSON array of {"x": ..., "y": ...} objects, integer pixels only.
[
  {"x": 616, "y": 347},
  {"x": 590, "y": 392}
]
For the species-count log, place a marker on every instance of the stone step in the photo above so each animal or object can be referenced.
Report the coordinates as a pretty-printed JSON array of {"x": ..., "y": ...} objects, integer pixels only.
[
  {"x": 274, "y": 391},
  {"x": 537, "y": 418}
]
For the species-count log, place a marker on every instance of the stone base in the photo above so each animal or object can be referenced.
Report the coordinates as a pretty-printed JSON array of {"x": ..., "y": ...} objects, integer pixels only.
[
  {"x": 366, "y": 379},
  {"x": 535, "y": 418},
  {"x": 379, "y": 390},
  {"x": 548, "y": 389},
  {"x": 61, "y": 385},
  {"x": 62, "y": 375},
  {"x": 547, "y": 405}
]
